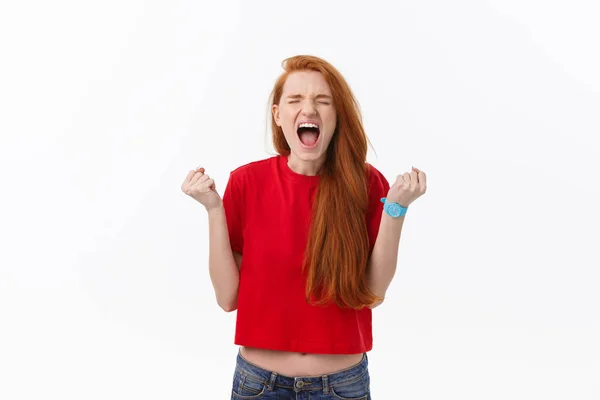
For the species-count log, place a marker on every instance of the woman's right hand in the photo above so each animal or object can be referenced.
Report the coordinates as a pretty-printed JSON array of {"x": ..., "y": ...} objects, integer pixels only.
[{"x": 202, "y": 188}]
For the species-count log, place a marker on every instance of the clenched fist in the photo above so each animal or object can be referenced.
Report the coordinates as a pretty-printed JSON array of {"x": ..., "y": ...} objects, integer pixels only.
[
  {"x": 408, "y": 187},
  {"x": 202, "y": 188}
]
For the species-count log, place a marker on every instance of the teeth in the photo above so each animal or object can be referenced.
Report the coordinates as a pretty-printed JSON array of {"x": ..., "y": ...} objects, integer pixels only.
[{"x": 308, "y": 125}]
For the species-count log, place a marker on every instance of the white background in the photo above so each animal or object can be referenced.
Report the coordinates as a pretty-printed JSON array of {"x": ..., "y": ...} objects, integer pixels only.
[{"x": 106, "y": 106}]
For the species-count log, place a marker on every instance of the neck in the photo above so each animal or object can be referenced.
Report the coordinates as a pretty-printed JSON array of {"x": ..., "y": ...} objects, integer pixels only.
[{"x": 305, "y": 167}]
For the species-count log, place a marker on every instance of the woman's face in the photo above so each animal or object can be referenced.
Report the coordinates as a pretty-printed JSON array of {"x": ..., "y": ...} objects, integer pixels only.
[{"x": 306, "y": 114}]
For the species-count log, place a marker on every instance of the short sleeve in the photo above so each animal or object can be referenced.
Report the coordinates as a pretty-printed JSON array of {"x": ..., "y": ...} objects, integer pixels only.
[
  {"x": 232, "y": 203},
  {"x": 378, "y": 188}
]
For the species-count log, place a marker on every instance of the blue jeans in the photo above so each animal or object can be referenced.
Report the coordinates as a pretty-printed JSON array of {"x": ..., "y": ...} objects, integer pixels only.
[{"x": 253, "y": 382}]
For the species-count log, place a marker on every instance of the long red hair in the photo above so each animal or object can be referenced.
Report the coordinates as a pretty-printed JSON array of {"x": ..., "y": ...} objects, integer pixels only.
[{"x": 338, "y": 245}]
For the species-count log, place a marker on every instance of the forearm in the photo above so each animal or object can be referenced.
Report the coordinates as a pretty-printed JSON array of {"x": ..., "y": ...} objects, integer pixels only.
[
  {"x": 382, "y": 263},
  {"x": 223, "y": 270}
]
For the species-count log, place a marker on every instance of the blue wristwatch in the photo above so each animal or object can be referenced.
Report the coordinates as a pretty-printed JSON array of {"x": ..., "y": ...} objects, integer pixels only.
[{"x": 394, "y": 210}]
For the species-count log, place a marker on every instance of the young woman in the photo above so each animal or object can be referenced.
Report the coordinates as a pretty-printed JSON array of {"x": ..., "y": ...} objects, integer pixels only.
[{"x": 304, "y": 244}]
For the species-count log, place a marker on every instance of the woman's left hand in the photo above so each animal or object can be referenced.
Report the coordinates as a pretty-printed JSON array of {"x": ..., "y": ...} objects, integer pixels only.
[{"x": 408, "y": 187}]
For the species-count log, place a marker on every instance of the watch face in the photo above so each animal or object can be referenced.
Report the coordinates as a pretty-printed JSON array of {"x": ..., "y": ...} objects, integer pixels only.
[{"x": 394, "y": 209}]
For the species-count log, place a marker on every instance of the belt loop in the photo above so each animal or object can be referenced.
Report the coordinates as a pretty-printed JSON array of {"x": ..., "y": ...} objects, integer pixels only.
[
  {"x": 325, "y": 384},
  {"x": 271, "y": 385}
]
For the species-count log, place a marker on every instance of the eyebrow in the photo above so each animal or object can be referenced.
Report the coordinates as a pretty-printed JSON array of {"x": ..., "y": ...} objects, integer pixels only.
[{"x": 299, "y": 96}]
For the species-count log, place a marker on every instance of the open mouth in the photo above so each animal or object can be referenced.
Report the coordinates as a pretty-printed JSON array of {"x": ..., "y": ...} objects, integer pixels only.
[{"x": 308, "y": 133}]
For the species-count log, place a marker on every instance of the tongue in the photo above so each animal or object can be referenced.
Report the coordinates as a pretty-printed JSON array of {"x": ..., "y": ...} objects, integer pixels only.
[{"x": 308, "y": 138}]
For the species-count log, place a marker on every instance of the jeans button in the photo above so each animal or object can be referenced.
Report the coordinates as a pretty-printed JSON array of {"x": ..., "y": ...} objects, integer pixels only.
[{"x": 299, "y": 384}]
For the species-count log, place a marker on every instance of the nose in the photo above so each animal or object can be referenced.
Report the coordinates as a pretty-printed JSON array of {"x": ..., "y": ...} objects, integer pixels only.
[{"x": 308, "y": 108}]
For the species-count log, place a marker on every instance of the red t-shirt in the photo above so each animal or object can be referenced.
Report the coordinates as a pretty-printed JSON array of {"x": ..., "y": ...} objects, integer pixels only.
[{"x": 268, "y": 210}]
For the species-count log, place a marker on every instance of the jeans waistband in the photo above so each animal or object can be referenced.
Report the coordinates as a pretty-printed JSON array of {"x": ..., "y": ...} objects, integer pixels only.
[{"x": 273, "y": 379}]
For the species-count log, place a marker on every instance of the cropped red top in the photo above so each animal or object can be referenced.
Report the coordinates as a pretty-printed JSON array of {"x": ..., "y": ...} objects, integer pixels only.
[{"x": 268, "y": 209}]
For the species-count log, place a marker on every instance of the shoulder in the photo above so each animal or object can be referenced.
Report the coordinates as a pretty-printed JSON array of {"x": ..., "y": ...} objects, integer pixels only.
[
  {"x": 376, "y": 179},
  {"x": 253, "y": 168}
]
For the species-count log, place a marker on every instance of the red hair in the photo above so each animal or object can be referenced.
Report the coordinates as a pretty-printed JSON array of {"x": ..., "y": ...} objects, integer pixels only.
[{"x": 337, "y": 251}]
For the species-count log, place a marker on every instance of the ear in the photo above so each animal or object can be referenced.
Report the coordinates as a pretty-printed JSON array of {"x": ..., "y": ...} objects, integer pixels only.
[{"x": 275, "y": 111}]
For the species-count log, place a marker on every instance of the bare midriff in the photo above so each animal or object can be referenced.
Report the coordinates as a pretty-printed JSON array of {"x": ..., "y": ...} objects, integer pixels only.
[{"x": 299, "y": 364}]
